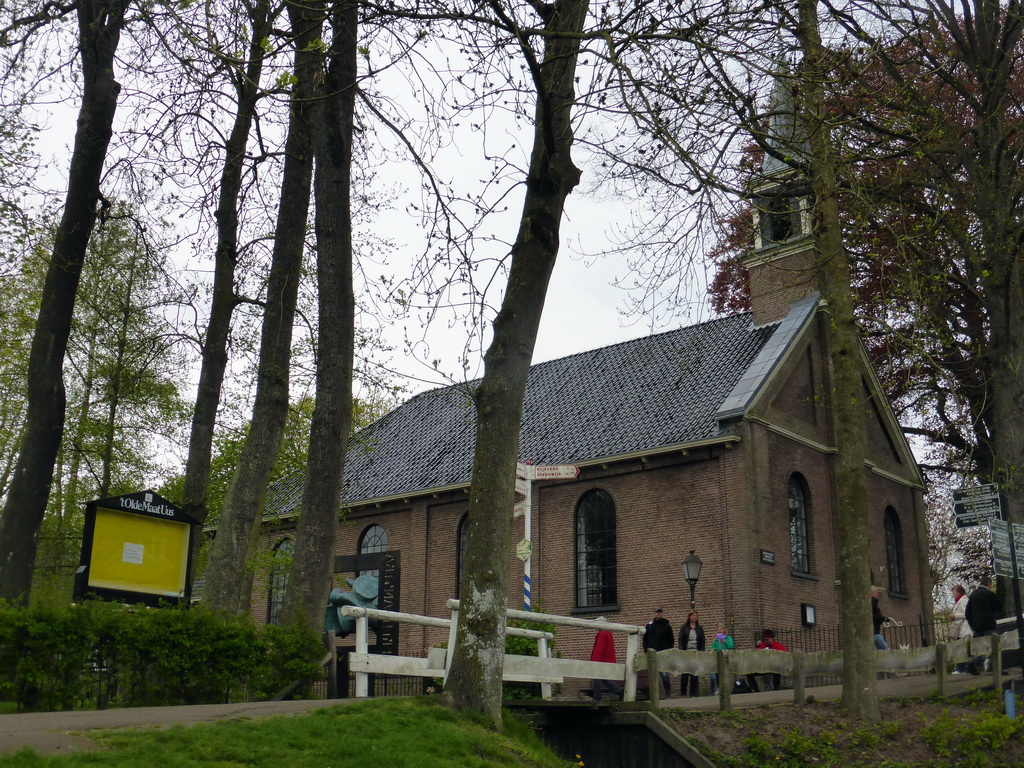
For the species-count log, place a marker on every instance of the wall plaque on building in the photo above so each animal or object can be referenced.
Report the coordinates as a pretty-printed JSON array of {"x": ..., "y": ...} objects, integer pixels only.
[{"x": 767, "y": 557}]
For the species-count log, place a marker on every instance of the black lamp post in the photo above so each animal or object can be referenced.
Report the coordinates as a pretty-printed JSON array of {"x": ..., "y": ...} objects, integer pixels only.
[{"x": 691, "y": 567}]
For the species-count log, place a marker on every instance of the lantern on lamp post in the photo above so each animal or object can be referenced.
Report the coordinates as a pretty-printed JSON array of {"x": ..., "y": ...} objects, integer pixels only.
[{"x": 691, "y": 570}]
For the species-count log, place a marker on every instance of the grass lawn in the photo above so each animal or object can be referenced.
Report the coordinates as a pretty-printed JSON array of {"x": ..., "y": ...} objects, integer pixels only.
[{"x": 384, "y": 733}]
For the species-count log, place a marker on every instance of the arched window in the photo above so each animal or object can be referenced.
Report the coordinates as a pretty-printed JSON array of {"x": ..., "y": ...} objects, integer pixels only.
[
  {"x": 894, "y": 552},
  {"x": 799, "y": 540},
  {"x": 373, "y": 539},
  {"x": 596, "y": 573},
  {"x": 460, "y": 555},
  {"x": 279, "y": 579}
]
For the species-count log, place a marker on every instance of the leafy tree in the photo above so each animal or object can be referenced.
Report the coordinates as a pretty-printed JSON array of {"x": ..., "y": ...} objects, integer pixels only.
[
  {"x": 474, "y": 681},
  {"x": 930, "y": 121},
  {"x": 227, "y": 586},
  {"x": 99, "y": 28},
  {"x": 121, "y": 375},
  {"x": 312, "y": 565},
  {"x": 946, "y": 143}
]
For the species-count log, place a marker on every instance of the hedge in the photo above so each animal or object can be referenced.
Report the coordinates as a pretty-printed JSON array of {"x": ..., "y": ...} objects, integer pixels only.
[{"x": 97, "y": 655}]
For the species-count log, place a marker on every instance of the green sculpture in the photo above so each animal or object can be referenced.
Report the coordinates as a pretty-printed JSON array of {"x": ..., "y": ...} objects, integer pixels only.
[{"x": 362, "y": 595}]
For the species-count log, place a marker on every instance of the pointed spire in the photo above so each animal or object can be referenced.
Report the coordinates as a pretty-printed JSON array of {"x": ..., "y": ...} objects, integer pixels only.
[{"x": 786, "y": 132}]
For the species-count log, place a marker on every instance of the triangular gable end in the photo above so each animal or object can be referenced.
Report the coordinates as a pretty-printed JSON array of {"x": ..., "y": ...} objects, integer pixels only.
[
  {"x": 883, "y": 432},
  {"x": 755, "y": 381}
]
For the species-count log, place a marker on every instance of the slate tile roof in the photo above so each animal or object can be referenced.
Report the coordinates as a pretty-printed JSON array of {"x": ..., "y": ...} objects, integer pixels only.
[{"x": 640, "y": 395}]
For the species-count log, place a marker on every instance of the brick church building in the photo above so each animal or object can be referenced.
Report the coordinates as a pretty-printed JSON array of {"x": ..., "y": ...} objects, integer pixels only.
[{"x": 717, "y": 438}]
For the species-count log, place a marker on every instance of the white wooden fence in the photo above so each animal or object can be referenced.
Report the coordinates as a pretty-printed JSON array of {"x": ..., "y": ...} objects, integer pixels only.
[
  {"x": 542, "y": 668},
  {"x": 547, "y": 670},
  {"x": 799, "y": 665}
]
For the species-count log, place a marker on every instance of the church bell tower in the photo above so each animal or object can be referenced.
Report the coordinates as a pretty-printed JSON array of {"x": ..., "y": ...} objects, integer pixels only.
[{"x": 781, "y": 266}]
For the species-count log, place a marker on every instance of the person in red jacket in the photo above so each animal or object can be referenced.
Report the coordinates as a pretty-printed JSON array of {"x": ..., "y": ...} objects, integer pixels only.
[
  {"x": 767, "y": 643},
  {"x": 604, "y": 650}
]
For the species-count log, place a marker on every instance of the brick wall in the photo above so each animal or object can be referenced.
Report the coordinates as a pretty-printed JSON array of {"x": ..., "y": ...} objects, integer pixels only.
[{"x": 777, "y": 283}]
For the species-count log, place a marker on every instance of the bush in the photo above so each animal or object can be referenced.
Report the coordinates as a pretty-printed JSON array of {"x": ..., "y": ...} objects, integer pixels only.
[
  {"x": 101, "y": 654},
  {"x": 525, "y": 646}
]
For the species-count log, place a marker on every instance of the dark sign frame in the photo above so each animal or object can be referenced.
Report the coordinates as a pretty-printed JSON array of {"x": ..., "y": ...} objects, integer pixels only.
[{"x": 145, "y": 504}]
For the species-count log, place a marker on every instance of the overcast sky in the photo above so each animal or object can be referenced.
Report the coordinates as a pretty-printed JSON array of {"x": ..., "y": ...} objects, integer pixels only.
[{"x": 583, "y": 310}]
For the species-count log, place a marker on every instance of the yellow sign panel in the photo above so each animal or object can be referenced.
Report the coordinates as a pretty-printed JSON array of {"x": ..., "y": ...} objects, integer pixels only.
[{"x": 138, "y": 553}]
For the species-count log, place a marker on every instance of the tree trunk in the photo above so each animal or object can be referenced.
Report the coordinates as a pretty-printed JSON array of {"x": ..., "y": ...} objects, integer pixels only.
[
  {"x": 860, "y": 696},
  {"x": 993, "y": 163},
  {"x": 228, "y": 577},
  {"x": 99, "y": 28},
  {"x": 474, "y": 681},
  {"x": 115, "y": 384},
  {"x": 215, "y": 356},
  {"x": 309, "y": 579}
]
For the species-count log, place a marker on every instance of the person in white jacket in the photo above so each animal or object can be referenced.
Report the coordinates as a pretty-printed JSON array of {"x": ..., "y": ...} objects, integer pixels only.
[{"x": 958, "y": 627}]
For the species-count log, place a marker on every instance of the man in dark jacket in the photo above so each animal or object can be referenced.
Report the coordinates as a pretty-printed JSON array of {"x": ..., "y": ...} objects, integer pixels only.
[
  {"x": 658, "y": 636},
  {"x": 983, "y": 608}
]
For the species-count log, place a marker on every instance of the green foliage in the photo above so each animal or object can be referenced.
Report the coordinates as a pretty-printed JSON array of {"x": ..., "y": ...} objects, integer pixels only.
[
  {"x": 110, "y": 655},
  {"x": 526, "y": 646},
  {"x": 793, "y": 749},
  {"x": 976, "y": 736},
  {"x": 122, "y": 371},
  {"x": 970, "y": 730}
]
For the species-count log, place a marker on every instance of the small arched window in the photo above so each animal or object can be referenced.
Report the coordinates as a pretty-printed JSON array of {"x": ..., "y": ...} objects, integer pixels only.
[
  {"x": 596, "y": 569},
  {"x": 282, "y": 561},
  {"x": 799, "y": 539},
  {"x": 373, "y": 539},
  {"x": 460, "y": 555},
  {"x": 894, "y": 552}
]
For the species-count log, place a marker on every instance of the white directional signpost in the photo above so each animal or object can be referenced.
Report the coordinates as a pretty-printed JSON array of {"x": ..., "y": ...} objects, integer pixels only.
[{"x": 525, "y": 475}]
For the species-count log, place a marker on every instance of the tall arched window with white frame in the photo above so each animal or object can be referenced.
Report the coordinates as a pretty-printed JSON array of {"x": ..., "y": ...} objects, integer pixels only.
[
  {"x": 894, "y": 552},
  {"x": 460, "y": 555},
  {"x": 799, "y": 537},
  {"x": 373, "y": 539},
  {"x": 596, "y": 557},
  {"x": 282, "y": 561}
]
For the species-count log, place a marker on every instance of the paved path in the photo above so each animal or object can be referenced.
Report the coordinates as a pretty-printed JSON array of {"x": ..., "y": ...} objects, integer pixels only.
[{"x": 63, "y": 732}]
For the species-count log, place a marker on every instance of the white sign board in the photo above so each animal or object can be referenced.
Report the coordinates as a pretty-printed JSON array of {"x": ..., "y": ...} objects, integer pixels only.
[
  {"x": 547, "y": 471},
  {"x": 521, "y": 485}
]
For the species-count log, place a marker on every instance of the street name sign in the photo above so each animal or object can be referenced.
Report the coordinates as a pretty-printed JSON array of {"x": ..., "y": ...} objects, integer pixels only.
[
  {"x": 521, "y": 485},
  {"x": 547, "y": 471}
]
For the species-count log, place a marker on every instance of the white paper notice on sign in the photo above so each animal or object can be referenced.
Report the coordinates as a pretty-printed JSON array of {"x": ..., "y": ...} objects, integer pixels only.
[{"x": 132, "y": 553}]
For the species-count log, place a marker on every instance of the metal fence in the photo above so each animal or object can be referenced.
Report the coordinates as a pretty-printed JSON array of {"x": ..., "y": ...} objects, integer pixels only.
[{"x": 830, "y": 638}]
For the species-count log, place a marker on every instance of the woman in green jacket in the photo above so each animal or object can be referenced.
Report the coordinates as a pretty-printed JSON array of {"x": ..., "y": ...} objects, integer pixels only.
[{"x": 722, "y": 642}]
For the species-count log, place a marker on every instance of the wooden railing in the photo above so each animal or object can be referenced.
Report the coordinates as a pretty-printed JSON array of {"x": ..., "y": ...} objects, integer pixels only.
[
  {"x": 542, "y": 668},
  {"x": 728, "y": 665}
]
